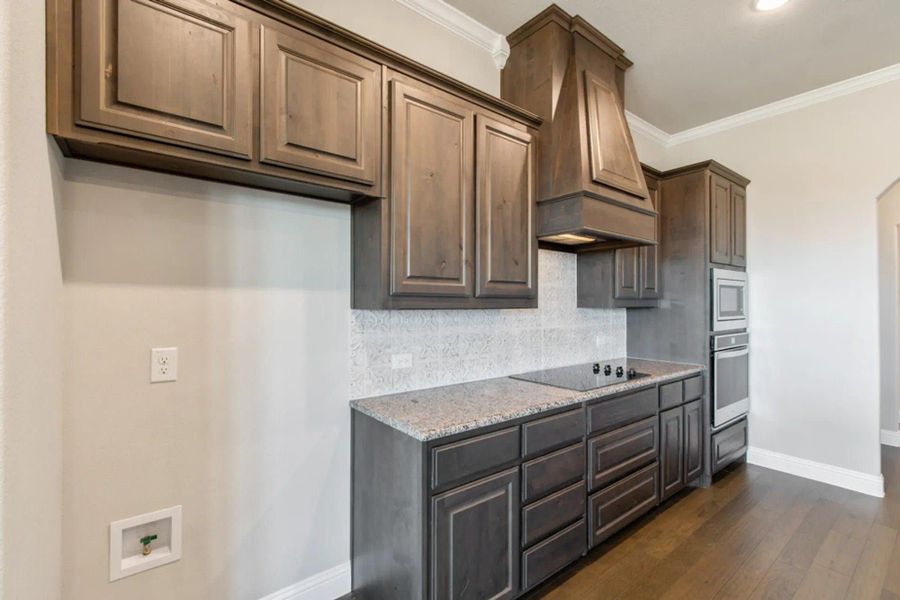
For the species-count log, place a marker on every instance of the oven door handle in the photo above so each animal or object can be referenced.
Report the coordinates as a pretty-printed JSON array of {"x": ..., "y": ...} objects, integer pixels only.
[{"x": 735, "y": 353}]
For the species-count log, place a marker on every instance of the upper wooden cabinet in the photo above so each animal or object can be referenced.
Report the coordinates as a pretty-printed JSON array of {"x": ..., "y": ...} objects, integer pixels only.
[
  {"x": 504, "y": 193},
  {"x": 627, "y": 277},
  {"x": 457, "y": 230},
  {"x": 254, "y": 92},
  {"x": 727, "y": 222},
  {"x": 320, "y": 107},
  {"x": 431, "y": 207},
  {"x": 591, "y": 191},
  {"x": 179, "y": 71}
]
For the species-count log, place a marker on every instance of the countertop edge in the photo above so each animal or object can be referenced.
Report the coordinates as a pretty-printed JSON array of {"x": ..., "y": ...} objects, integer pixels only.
[{"x": 574, "y": 398}]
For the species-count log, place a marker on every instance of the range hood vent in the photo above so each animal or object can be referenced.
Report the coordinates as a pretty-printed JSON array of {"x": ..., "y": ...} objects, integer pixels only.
[{"x": 591, "y": 191}]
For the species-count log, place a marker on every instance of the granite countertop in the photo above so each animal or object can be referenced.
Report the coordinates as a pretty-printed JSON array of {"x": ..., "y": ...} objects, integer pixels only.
[{"x": 440, "y": 412}]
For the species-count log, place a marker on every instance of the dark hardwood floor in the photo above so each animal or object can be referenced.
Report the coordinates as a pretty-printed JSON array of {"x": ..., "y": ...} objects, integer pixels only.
[{"x": 755, "y": 534}]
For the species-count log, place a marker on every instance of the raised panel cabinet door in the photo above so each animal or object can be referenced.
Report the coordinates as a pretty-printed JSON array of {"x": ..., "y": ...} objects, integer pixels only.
[
  {"x": 613, "y": 158},
  {"x": 649, "y": 255},
  {"x": 671, "y": 452},
  {"x": 177, "y": 71},
  {"x": 320, "y": 107},
  {"x": 693, "y": 441},
  {"x": 720, "y": 226},
  {"x": 432, "y": 208},
  {"x": 739, "y": 226},
  {"x": 475, "y": 540},
  {"x": 628, "y": 273},
  {"x": 506, "y": 246}
]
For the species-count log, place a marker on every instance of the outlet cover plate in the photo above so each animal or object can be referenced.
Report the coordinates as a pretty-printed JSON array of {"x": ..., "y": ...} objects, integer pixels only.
[
  {"x": 163, "y": 365},
  {"x": 125, "y": 556}
]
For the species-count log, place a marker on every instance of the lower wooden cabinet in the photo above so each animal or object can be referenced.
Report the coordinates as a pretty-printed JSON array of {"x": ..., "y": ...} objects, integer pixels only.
[
  {"x": 482, "y": 516},
  {"x": 493, "y": 513},
  {"x": 693, "y": 441},
  {"x": 622, "y": 503},
  {"x": 554, "y": 553},
  {"x": 680, "y": 447},
  {"x": 671, "y": 452}
]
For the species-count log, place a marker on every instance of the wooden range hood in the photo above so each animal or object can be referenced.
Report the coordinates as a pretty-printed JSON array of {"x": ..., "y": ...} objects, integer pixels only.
[{"x": 591, "y": 191}]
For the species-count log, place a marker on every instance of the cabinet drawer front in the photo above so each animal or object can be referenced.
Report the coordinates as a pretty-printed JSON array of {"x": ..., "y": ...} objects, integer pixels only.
[
  {"x": 550, "y": 556},
  {"x": 612, "y": 414},
  {"x": 545, "y": 474},
  {"x": 475, "y": 540},
  {"x": 320, "y": 107},
  {"x": 728, "y": 445},
  {"x": 671, "y": 394},
  {"x": 556, "y": 510},
  {"x": 617, "y": 453},
  {"x": 552, "y": 432},
  {"x": 618, "y": 505},
  {"x": 178, "y": 71},
  {"x": 693, "y": 388},
  {"x": 456, "y": 462}
]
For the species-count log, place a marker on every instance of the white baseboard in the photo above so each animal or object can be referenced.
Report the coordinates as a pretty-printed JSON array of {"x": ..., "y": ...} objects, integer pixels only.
[
  {"x": 327, "y": 585},
  {"x": 890, "y": 438},
  {"x": 873, "y": 485}
]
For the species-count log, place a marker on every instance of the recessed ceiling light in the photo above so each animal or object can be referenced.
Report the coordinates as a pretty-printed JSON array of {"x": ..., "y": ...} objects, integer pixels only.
[{"x": 769, "y": 4}]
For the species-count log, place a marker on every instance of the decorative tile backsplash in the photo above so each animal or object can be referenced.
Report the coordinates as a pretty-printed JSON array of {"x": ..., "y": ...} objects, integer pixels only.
[{"x": 455, "y": 346}]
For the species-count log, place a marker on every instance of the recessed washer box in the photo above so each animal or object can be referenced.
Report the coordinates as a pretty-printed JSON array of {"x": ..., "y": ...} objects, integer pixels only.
[{"x": 126, "y": 552}]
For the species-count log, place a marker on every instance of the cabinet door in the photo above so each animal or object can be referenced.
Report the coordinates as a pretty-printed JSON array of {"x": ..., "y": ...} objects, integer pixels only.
[
  {"x": 739, "y": 226},
  {"x": 693, "y": 441},
  {"x": 504, "y": 190},
  {"x": 720, "y": 224},
  {"x": 671, "y": 451},
  {"x": 649, "y": 255},
  {"x": 178, "y": 71},
  {"x": 475, "y": 541},
  {"x": 432, "y": 220},
  {"x": 613, "y": 156},
  {"x": 628, "y": 274},
  {"x": 320, "y": 108}
]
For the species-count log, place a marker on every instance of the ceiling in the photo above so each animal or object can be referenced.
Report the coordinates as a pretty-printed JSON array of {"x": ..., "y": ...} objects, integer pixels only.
[{"x": 696, "y": 61}]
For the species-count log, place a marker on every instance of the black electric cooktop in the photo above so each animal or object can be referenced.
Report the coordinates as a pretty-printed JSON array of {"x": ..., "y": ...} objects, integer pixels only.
[{"x": 584, "y": 377}]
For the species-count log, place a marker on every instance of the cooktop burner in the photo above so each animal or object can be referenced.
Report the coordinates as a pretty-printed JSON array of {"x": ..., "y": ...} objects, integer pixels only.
[{"x": 585, "y": 377}]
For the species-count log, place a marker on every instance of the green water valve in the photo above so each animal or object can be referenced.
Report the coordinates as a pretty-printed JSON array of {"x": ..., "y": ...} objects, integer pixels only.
[{"x": 145, "y": 542}]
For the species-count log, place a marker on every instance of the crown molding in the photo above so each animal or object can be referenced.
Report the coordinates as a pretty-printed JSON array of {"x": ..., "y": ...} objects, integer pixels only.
[
  {"x": 463, "y": 25},
  {"x": 648, "y": 129},
  {"x": 779, "y": 107}
]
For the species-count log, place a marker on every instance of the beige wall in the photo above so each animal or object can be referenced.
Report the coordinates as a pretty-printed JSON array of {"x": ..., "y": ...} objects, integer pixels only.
[
  {"x": 30, "y": 317},
  {"x": 888, "y": 282},
  {"x": 253, "y": 288},
  {"x": 815, "y": 174}
]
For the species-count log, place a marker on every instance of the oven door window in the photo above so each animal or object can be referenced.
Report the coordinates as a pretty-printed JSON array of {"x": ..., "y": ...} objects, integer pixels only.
[
  {"x": 731, "y": 381},
  {"x": 731, "y": 301}
]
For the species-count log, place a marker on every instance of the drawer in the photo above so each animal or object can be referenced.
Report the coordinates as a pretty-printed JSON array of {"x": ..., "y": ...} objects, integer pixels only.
[
  {"x": 556, "y": 510},
  {"x": 552, "y": 432},
  {"x": 553, "y": 554},
  {"x": 551, "y": 472},
  {"x": 693, "y": 388},
  {"x": 612, "y": 414},
  {"x": 622, "y": 503},
  {"x": 456, "y": 462},
  {"x": 620, "y": 452},
  {"x": 729, "y": 444},
  {"x": 671, "y": 395}
]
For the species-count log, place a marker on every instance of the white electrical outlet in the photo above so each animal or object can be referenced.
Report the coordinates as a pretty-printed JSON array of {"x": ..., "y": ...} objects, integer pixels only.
[
  {"x": 163, "y": 365},
  {"x": 401, "y": 361}
]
